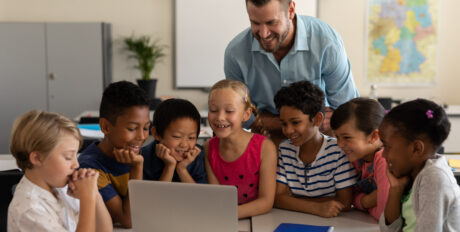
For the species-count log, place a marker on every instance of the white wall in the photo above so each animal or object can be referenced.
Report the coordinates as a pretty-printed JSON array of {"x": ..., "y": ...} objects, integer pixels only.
[
  {"x": 151, "y": 17},
  {"x": 155, "y": 18}
]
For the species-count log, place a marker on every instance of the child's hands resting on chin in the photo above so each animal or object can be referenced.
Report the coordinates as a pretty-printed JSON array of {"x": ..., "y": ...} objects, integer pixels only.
[
  {"x": 189, "y": 157},
  {"x": 128, "y": 156},
  {"x": 83, "y": 183},
  {"x": 164, "y": 153},
  {"x": 397, "y": 183}
]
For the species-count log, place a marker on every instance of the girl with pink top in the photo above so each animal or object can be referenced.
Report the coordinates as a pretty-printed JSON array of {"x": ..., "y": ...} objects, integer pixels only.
[
  {"x": 355, "y": 125},
  {"x": 237, "y": 157}
]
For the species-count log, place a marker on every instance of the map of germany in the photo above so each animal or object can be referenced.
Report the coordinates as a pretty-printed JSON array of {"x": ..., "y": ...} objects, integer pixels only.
[{"x": 402, "y": 41}]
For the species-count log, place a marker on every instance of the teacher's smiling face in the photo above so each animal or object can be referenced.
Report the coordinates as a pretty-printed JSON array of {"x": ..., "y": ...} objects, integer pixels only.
[{"x": 271, "y": 24}]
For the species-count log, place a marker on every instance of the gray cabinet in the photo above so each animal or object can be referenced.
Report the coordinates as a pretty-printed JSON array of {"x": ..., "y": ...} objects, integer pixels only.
[{"x": 59, "y": 67}]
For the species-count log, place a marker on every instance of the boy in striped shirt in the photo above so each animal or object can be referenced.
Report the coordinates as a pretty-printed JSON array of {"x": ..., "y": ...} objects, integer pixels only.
[{"x": 313, "y": 175}]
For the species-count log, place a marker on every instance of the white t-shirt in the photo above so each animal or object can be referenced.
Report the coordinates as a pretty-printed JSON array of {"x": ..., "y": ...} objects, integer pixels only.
[{"x": 35, "y": 209}]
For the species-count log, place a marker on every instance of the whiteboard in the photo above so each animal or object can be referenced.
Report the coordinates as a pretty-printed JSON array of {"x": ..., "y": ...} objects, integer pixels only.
[{"x": 202, "y": 31}]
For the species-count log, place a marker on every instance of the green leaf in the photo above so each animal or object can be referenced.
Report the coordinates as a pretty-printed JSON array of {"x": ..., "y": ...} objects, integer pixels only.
[{"x": 146, "y": 53}]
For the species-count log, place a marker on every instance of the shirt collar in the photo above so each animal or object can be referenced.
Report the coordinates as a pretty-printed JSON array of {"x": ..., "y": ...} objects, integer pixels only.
[
  {"x": 321, "y": 148},
  {"x": 301, "y": 38},
  {"x": 41, "y": 193},
  {"x": 300, "y": 42}
]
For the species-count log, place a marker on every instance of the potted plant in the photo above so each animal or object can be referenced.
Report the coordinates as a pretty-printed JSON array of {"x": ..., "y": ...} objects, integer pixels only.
[{"x": 147, "y": 54}]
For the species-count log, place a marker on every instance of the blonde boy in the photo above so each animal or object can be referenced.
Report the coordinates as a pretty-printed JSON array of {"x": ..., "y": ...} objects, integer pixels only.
[{"x": 45, "y": 146}]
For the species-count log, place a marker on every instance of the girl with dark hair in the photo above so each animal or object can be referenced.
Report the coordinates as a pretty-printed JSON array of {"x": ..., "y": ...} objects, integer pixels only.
[
  {"x": 424, "y": 195},
  {"x": 355, "y": 125}
]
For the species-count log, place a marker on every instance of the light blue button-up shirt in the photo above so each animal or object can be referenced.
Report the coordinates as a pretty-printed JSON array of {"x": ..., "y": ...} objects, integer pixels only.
[{"x": 318, "y": 55}]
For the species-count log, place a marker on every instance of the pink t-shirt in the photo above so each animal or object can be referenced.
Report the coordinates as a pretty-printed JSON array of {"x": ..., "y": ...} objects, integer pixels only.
[
  {"x": 373, "y": 176},
  {"x": 243, "y": 172}
]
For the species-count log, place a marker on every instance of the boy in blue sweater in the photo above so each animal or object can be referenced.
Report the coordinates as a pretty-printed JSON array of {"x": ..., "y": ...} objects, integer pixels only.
[
  {"x": 124, "y": 120},
  {"x": 174, "y": 155}
]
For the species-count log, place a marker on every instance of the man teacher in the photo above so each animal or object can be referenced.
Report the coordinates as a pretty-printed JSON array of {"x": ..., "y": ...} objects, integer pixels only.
[{"x": 280, "y": 48}]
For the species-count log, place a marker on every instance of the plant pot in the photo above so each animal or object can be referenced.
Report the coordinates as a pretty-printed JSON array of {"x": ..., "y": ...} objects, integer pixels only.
[{"x": 149, "y": 86}]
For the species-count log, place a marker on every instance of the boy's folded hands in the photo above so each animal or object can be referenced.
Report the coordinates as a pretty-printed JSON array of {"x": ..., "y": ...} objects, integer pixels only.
[{"x": 83, "y": 183}]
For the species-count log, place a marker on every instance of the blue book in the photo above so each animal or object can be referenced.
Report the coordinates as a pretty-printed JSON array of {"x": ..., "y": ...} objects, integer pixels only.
[{"x": 291, "y": 227}]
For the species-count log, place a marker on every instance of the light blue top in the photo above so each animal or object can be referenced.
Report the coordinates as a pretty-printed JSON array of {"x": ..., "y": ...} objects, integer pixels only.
[{"x": 317, "y": 55}]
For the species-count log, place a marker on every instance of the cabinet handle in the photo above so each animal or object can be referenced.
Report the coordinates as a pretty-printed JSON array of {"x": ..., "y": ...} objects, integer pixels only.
[{"x": 51, "y": 76}]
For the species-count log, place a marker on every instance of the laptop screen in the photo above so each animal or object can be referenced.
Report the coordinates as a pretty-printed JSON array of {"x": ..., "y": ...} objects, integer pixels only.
[{"x": 166, "y": 206}]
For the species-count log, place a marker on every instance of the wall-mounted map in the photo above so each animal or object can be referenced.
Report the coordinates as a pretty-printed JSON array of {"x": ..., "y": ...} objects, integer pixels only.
[{"x": 402, "y": 41}]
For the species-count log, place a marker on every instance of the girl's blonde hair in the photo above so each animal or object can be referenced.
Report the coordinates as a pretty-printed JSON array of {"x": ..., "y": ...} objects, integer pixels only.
[
  {"x": 242, "y": 90},
  {"x": 40, "y": 132}
]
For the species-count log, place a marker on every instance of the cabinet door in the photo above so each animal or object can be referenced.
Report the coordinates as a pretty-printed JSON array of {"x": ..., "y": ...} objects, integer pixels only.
[
  {"x": 74, "y": 55},
  {"x": 22, "y": 74}
]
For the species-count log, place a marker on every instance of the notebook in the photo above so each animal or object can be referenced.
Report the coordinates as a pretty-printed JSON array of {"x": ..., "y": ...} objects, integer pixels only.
[
  {"x": 291, "y": 227},
  {"x": 166, "y": 206}
]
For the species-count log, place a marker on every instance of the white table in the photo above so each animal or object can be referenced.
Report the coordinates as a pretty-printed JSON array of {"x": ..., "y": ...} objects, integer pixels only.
[
  {"x": 205, "y": 132},
  {"x": 244, "y": 225},
  {"x": 352, "y": 221},
  {"x": 95, "y": 113},
  {"x": 7, "y": 162}
]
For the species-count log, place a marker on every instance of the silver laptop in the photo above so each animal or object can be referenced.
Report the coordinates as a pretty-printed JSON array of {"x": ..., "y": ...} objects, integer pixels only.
[{"x": 164, "y": 206}]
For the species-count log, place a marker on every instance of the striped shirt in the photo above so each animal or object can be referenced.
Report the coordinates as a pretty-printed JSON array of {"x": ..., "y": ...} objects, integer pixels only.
[{"x": 329, "y": 172}]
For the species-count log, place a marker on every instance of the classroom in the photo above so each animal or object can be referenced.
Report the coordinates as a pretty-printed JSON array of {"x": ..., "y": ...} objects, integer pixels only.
[{"x": 193, "y": 34}]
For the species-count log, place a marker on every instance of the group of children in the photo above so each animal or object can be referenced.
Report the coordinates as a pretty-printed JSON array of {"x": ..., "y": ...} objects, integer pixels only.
[{"x": 385, "y": 164}]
